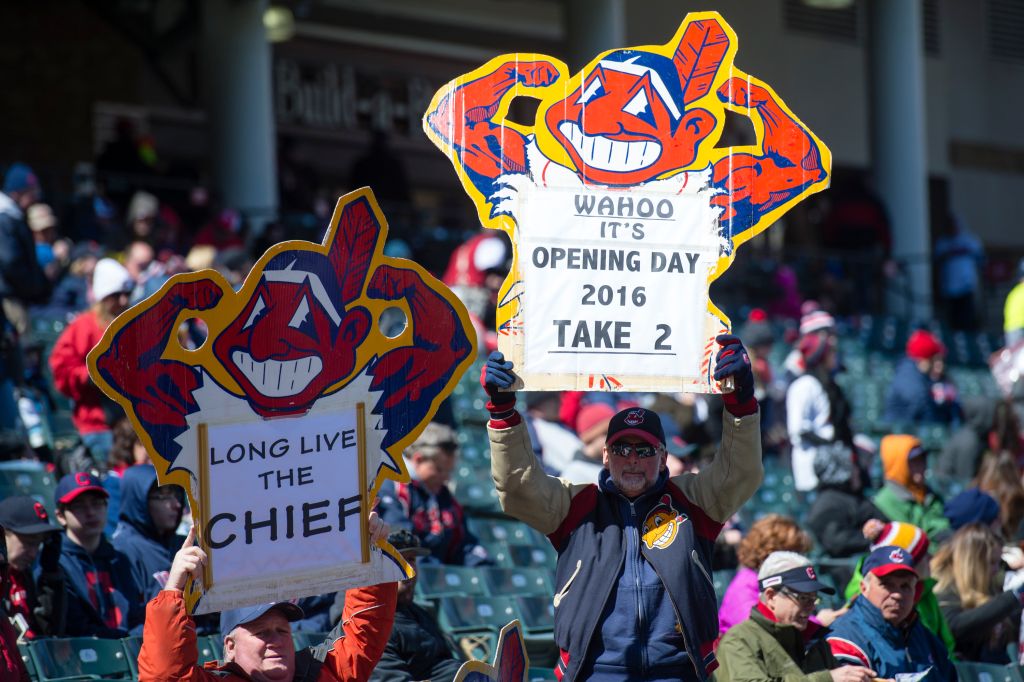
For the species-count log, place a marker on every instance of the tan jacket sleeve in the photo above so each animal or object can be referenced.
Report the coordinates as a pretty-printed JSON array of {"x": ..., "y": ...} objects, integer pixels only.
[
  {"x": 736, "y": 472},
  {"x": 525, "y": 491}
]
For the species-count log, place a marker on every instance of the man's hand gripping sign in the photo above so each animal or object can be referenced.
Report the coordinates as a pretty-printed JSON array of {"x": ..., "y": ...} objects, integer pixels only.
[
  {"x": 285, "y": 422},
  {"x": 621, "y": 207}
]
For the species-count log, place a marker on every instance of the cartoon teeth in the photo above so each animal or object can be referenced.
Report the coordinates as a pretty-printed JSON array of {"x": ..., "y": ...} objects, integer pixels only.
[
  {"x": 278, "y": 378},
  {"x": 603, "y": 153}
]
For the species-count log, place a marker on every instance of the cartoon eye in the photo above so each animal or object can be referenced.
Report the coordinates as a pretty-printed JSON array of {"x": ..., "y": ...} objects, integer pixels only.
[
  {"x": 256, "y": 310},
  {"x": 640, "y": 107},
  {"x": 594, "y": 90},
  {"x": 301, "y": 313}
]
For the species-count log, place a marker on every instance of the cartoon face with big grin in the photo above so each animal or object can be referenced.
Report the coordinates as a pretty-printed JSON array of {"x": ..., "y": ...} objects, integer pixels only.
[
  {"x": 291, "y": 341},
  {"x": 625, "y": 124}
]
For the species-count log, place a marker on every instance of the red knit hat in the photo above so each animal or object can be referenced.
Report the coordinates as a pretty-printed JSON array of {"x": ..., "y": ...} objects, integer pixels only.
[
  {"x": 593, "y": 420},
  {"x": 923, "y": 345}
]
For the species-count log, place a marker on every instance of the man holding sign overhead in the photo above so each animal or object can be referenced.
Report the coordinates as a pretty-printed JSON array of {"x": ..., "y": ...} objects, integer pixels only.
[
  {"x": 635, "y": 598},
  {"x": 258, "y": 639}
]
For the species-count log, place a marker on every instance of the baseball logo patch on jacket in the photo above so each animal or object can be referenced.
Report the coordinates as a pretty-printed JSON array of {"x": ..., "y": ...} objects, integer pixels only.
[{"x": 661, "y": 526}]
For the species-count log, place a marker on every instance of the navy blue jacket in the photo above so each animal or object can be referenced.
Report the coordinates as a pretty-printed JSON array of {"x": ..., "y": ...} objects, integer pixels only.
[
  {"x": 20, "y": 275},
  {"x": 863, "y": 637},
  {"x": 910, "y": 400},
  {"x": 149, "y": 554},
  {"x": 103, "y": 598},
  {"x": 640, "y": 571},
  {"x": 440, "y": 524}
]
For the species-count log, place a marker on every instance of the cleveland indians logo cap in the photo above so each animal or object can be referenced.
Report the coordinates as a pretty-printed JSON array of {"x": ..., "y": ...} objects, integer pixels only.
[
  {"x": 800, "y": 579},
  {"x": 638, "y": 422},
  {"x": 24, "y": 514},
  {"x": 889, "y": 559}
]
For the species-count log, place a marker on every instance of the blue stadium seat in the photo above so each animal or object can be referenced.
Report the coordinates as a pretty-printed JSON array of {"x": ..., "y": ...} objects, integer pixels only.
[
  {"x": 465, "y": 614},
  {"x": 517, "y": 581},
  {"x": 26, "y": 477},
  {"x": 439, "y": 580}
]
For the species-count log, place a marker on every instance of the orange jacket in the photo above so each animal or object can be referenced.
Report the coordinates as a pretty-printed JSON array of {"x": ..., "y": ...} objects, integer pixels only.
[{"x": 169, "y": 652}]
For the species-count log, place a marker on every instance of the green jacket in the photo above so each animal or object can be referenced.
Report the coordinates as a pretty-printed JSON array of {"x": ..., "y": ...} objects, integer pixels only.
[
  {"x": 898, "y": 504},
  {"x": 928, "y": 610},
  {"x": 760, "y": 650}
]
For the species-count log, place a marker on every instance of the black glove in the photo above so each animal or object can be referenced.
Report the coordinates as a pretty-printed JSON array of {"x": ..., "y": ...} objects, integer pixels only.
[
  {"x": 732, "y": 361},
  {"x": 496, "y": 375},
  {"x": 49, "y": 557}
]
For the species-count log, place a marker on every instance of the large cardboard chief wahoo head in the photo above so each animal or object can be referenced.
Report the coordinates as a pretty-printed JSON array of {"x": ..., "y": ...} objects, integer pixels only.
[{"x": 302, "y": 328}]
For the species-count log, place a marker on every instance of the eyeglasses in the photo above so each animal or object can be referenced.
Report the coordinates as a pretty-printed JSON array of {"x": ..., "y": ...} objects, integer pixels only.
[
  {"x": 641, "y": 450},
  {"x": 165, "y": 497},
  {"x": 804, "y": 599}
]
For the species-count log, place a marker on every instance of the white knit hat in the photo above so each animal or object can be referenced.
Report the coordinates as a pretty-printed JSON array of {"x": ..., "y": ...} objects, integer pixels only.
[{"x": 110, "y": 277}]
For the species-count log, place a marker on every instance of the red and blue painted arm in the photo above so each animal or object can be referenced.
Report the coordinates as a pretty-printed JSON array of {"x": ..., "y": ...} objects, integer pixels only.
[
  {"x": 160, "y": 389},
  {"x": 463, "y": 120},
  {"x": 752, "y": 186},
  {"x": 410, "y": 377}
]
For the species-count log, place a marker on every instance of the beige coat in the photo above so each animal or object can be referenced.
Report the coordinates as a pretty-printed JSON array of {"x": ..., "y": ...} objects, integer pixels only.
[{"x": 527, "y": 493}]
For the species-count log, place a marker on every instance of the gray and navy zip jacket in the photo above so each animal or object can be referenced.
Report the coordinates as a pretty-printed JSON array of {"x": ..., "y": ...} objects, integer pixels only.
[{"x": 634, "y": 592}]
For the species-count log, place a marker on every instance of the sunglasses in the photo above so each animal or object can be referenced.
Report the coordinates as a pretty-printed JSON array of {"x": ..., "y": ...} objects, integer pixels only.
[
  {"x": 804, "y": 599},
  {"x": 642, "y": 450}
]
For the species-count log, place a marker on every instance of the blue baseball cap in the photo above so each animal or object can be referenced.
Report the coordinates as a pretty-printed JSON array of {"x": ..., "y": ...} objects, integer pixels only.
[
  {"x": 73, "y": 485},
  {"x": 888, "y": 559},
  {"x": 229, "y": 620},
  {"x": 19, "y": 178}
]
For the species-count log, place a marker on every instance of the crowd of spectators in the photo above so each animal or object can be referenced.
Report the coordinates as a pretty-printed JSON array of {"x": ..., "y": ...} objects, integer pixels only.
[{"x": 923, "y": 574}]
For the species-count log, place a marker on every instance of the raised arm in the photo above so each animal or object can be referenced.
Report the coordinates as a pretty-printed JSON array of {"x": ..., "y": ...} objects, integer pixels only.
[
  {"x": 723, "y": 486},
  {"x": 791, "y": 161},
  {"x": 410, "y": 377},
  {"x": 463, "y": 120},
  {"x": 525, "y": 490}
]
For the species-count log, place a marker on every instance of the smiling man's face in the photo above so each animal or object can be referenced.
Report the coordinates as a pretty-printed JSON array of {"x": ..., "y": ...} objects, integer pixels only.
[
  {"x": 263, "y": 648},
  {"x": 633, "y": 475}
]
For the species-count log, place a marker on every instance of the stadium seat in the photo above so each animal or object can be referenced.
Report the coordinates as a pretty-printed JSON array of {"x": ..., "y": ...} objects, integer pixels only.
[
  {"x": 517, "y": 581},
  {"x": 474, "y": 488},
  {"x": 536, "y": 613},
  {"x": 132, "y": 646},
  {"x": 536, "y": 674},
  {"x": 439, "y": 580},
  {"x": 26, "y": 658},
  {"x": 210, "y": 648},
  {"x": 537, "y": 616},
  {"x": 721, "y": 580},
  {"x": 26, "y": 477},
  {"x": 495, "y": 529},
  {"x": 532, "y": 556},
  {"x": 474, "y": 445},
  {"x": 465, "y": 614},
  {"x": 478, "y": 645},
  {"x": 76, "y": 658},
  {"x": 986, "y": 672}
]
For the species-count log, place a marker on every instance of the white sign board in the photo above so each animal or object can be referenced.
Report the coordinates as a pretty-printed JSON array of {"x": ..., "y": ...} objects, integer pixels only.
[
  {"x": 293, "y": 488},
  {"x": 614, "y": 281}
]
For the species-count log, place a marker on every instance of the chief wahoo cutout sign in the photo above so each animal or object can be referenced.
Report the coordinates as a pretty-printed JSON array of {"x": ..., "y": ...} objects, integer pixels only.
[
  {"x": 620, "y": 204},
  {"x": 285, "y": 422}
]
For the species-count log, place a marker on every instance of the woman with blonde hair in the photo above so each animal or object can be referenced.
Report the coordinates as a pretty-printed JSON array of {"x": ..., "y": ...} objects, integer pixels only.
[
  {"x": 983, "y": 619},
  {"x": 999, "y": 476},
  {"x": 770, "y": 533}
]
